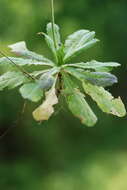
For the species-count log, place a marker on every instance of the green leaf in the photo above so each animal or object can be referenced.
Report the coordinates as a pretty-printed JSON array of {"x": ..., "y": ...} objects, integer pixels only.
[
  {"x": 101, "y": 78},
  {"x": 50, "y": 44},
  {"x": 23, "y": 62},
  {"x": 58, "y": 50},
  {"x": 78, "y": 42},
  {"x": 44, "y": 111},
  {"x": 46, "y": 81},
  {"x": 31, "y": 91},
  {"x": 94, "y": 65},
  {"x": 56, "y": 33},
  {"x": 105, "y": 100},
  {"x": 51, "y": 71},
  {"x": 37, "y": 73},
  {"x": 20, "y": 49},
  {"x": 97, "y": 78},
  {"x": 77, "y": 104},
  {"x": 12, "y": 80}
]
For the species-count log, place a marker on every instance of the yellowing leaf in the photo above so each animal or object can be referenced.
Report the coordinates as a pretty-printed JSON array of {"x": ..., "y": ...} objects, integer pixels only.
[
  {"x": 77, "y": 103},
  {"x": 105, "y": 100},
  {"x": 44, "y": 111},
  {"x": 80, "y": 108}
]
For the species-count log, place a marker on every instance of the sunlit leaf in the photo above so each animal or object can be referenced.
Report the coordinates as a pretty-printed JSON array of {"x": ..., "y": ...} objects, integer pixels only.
[
  {"x": 56, "y": 34},
  {"x": 50, "y": 44},
  {"x": 94, "y": 65},
  {"x": 20, "y": 49},
  {"x": 77, "y": 42},
  {"x": 12, "y": 80},
  {"x": 105, "y": 100},
  {"x": 77, "y": 103},
  {"x": 23, "y": 62},
  {"x": 31, "y": 91},
  {"x": 44, "y": 111}
]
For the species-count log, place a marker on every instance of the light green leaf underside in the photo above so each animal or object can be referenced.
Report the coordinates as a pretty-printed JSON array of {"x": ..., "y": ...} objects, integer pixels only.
[
  {"x": 78, "y": 42},
  {"x": 20, "y": 49},
  {"x": 12, "y": 80},
  {"x": 97, "y": 78},
  {"x": 77, "y": 104},
  {"x": 23, "y": 62},
  {"x": 105, "y": 100},
  {"x": 46, "y": 81},
  {"x": 95, "y": 65},
  {"x": 31, "y": 91}
]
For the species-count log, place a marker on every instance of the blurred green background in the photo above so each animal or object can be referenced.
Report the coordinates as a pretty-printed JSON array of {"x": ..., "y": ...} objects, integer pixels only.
[{"x": 62, "y": 154}]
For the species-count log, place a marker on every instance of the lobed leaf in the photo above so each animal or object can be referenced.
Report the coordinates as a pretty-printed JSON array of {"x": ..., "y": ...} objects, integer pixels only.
[
  {"x": 77, "y": 104},
  {"x": 44, "y": 111},
  {"x": 20, "y": 49},
  {"x": 97, "y": 78},
  {"x": 105, "y": 100},
  {"x": 77, "y": 42},
  {"x": 12, "y": 80},
  {"x": 31, "y": 91}
]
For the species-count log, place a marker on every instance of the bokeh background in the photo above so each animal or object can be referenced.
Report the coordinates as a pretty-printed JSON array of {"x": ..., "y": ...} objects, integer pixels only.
[{"x": 62, "y": 154}]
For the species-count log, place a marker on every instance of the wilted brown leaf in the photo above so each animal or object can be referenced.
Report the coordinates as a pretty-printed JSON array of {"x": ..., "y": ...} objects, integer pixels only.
[{"x": 44, "y": 111}]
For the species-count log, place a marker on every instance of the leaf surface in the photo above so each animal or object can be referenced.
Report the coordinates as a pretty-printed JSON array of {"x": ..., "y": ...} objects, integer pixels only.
[
  {"x": 50, "y": 44},
  {"x": 31, "y": 91},
  {"x": 20, "y": 49},
  {"x": 105, "y": 100},
  {"x": 46, "y": 81},
  {"x": 97, "y": 78},
  {"x": 12, "y": 80},
  {"x": 94, "y": 65},
  {"x": 23, "y": 62},
  {"x": 77, "y": 103},
  {"x": 77, "y": 42},
  {"x": 44, "y": 111},
  {"x": 56, "y": 34}
]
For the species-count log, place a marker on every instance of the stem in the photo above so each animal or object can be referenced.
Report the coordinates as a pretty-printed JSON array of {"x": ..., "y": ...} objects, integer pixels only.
[{"x": 53, "y": 23}]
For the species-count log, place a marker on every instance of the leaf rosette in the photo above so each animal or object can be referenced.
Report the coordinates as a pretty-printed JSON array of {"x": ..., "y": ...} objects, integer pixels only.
[{"x": 61, "y": 77}]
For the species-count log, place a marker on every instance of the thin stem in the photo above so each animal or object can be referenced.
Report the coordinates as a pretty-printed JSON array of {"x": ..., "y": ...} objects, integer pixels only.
[{"x": 53, "y": 23}]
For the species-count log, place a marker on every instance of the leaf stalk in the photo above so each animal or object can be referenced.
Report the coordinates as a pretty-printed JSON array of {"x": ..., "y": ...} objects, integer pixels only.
[{"x": 53, "y": 23}]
